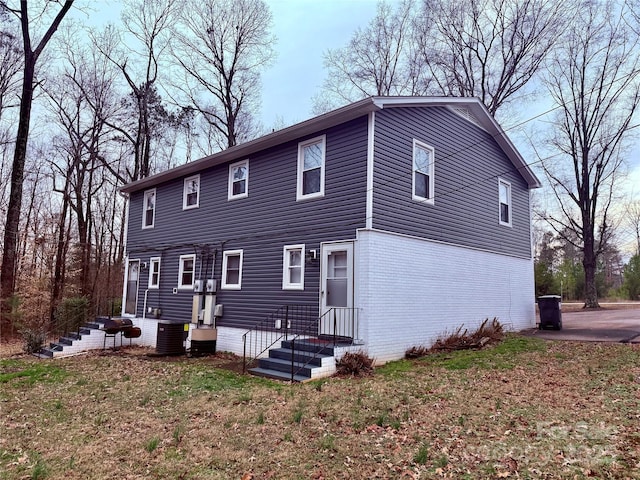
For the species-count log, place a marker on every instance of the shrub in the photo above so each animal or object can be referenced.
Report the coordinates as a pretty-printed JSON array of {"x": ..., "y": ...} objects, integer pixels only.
[
  {"x": 32, "y": 328},
  {"x": 33, "y": 337},
  {"x": 355, "y": 364},
  {"x": 489, "y": 332}
]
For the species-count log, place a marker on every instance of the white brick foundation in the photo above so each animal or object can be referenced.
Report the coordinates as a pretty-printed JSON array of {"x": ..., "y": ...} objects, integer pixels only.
[{"x": 411, "y": 291}]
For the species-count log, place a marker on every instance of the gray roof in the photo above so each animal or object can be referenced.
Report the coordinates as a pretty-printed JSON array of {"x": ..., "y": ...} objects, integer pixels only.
[{"x": 474, "y": 109}]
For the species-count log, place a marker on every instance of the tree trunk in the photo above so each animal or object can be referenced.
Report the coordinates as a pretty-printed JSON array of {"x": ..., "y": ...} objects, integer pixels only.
[
  {"x": 57, "y": 286},
  {"x": 9, "y": 253},
  {"x": 589, "y": 263},
  {"x": 590, "y": 291}
]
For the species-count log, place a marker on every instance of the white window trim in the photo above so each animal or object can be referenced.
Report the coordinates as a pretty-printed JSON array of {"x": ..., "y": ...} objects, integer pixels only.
[
  {"x": 230, "y": 195},
  {"x": 182, "y": 286},
  {"x": 153, "y": 260},
  {"x": 184, "y": 193},
  {"x": 144, "y": 208},
  {"x": 225, "y": 257},
  {"x": 323, "y": 140},
  {"x": 509, "y": 203},
  {"x": 286, "y": 285},
  {"x": 430, "y": 200}
]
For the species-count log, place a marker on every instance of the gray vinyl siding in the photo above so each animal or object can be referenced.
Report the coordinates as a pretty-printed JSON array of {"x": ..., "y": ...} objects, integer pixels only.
[
  {"x": 468, "y": 163},
  {"x": 260, "y": 225}
]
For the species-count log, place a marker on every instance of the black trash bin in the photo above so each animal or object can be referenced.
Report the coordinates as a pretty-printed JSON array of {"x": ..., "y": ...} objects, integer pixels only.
[{"x": 550, "y": 307}]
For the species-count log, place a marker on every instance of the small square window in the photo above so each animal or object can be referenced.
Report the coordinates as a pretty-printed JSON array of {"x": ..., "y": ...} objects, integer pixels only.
[
  {"x": 149, "y": 209},
  {"x": 504, "y": 193},
  {"x": 154, "y": 272},
  {"x": 293, "y": 267},
  {"x": 232, "y": 270},
  {"x": 186, "y": 273},
  {"x": 191, "y": 196},
  {"x": 311, "y": 166},
  {"x": 238, "y": 180},
  {"x": 423, "y": 172}
]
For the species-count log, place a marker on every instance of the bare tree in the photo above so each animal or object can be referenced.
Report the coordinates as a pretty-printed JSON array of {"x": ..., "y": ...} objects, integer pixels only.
[
  {"x": 222, "y": 46},
  {"x": 10, "y": 63},
  {"x": 490, "y": 49},
  {"x": 10, "y": 67},
  {"x": 633, "y": 222},
  {"x": 378, "y": 60},
  {"x": 137, "y": 52},
  {"x": 31, "y": 55},
  {"x": 594, "y": 78}
]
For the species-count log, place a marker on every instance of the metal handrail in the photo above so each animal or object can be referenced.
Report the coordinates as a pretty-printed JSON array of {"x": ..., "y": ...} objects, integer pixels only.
[
  {"x": 342, "y": 327},
  {"x": 286, "y": 320}
]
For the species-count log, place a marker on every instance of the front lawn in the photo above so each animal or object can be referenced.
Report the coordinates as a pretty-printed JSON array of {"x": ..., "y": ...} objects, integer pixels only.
[{"x": 522, "y": 409}]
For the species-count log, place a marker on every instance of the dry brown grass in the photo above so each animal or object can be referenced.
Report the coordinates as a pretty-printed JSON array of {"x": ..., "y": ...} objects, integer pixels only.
[{"x": 521, "y": 409}]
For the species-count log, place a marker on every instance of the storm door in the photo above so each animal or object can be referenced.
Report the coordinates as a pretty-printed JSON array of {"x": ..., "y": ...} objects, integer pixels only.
[
  {"x": 336, "y": 294},
  {"x": 131, "y": 287}
]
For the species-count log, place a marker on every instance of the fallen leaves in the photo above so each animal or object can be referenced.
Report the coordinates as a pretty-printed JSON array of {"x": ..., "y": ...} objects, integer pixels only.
[{"x": 549, "y": 417}]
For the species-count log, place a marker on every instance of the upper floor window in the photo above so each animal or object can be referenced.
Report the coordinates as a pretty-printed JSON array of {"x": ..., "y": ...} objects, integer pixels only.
[
  {"x": 423, "y": 163},
  {"x": 191, "y": 196},
  {"x": 186, "y": 272},
  {"x": 293, "y": 267},
  {"x": 232, "y": 269},
  {"x": 149, "y": 208},
  {"x": 154, "y": 272},
  {"x": 505, "y": 202},
  {"x": 311, "y": 159},
  {"x": 238, "y": 180}
]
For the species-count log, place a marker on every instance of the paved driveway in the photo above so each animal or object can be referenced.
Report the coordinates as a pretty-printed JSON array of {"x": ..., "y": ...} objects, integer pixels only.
[{"x": 605, "y": 325}]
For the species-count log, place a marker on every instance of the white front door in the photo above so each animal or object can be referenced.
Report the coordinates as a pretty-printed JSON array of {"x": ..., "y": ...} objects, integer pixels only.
[
  {"x": 131, "y": 287},
  {"x": 336, "y": 289}
]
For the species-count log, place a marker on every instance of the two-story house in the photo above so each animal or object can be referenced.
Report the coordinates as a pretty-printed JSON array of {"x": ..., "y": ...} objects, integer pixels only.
[{"x": 408, "y": 216}]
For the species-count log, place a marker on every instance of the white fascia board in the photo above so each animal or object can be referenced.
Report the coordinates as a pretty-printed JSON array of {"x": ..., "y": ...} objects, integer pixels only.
[
  {"x": 336, "y": 117},
  {"x": 294, "y": 132}
]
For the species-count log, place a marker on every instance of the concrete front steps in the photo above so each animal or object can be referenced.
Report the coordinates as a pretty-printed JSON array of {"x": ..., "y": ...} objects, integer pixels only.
[
  {"x": 313, "y": 358},
  {"x": 88, "y": 337}
]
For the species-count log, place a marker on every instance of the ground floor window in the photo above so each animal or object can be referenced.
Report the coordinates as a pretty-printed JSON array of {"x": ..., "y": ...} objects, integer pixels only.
[
  {"x": 154, "y": 272},
  {"x": 293, "y": 267},
  {"x": 232, "y": 270},
  {"x": 186, "y": 272}
]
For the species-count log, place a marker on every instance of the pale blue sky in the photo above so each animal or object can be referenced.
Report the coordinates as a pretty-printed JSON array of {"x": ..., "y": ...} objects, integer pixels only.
[{"x": 305, "y": 30}]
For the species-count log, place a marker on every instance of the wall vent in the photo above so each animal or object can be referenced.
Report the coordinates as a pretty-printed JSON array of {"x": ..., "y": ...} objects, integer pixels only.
[{"x": 467, "y": 115}]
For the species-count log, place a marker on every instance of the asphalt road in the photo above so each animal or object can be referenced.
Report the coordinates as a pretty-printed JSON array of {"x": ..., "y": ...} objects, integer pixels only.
[{"x": 603, "y": 325}]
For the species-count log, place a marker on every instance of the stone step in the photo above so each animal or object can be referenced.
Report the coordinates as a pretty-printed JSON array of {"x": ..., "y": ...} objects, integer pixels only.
[
  {"x": 311, "y": 345},
  {"x": 277, "y": 375},
  {"x": 44, "y": 352},
  {"x": 304, "y": 356},
  {"x": 285, "y": 366}
]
